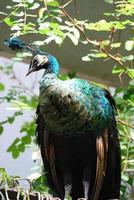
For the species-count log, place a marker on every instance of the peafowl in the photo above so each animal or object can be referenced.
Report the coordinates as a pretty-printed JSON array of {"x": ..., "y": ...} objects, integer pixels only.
[{"x": 76, "y": 132}]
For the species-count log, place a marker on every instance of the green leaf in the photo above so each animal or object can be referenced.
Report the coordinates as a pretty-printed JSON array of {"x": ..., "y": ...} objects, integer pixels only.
[
  {"x": 13, "y": 146},
  {"x": 131, "y": 82},
  {"x": 40, "y": 184},
  {"x": 11, "y": 119},
  {"x": 17, "y": 1},
  {"x": 101, "y": 25},
  {"x": 44, "y": 31},
  {"x": 109, "y": 1},
  {"x": 29, "y": 28},
  {"x": 86, "y": 58},
  {"x": 129, "y": 45},
  {"x": 9, "y": 21},
  {"x": 33, "y": 6},
  {"x": 53, "y": 3},
  {"x": 16, "y": 27},
  {"x": 18, "y": 14},
  {"x": 15, "y": 153},
  {"x": 73, "y": 38},
  {"x": 1, "y": 129},
  {"x": 129, "y": 58},
  {"x": 30, "y": 1},
  {"x": 117, "y": 69},
  {"x": 2, "y": 13},
  {"x": 125, "y": 177},
  {"x": 26, "y": 139},
  {"x": 23, "y": 54},
  {"x": 3, "y": 173},
  {"x": 118, "y": 90},
  {"x": 2, "y": 87},
  {"x": 76, "y": 33},
  {"x": 116, "y": 45},
  {"x": 21, "y": 147},
  {"x": 42, "y": 12},
  {"x": 130, "y": 73},
  {"x": 18, "y": 113},
  {"x": 95, "y": 54},
  {"x": 125, "y": 8},
  {"x": 38, "y": 42}
]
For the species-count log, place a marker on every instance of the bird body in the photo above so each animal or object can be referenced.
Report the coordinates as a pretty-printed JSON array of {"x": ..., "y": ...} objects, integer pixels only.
[
  {"x": 78, "y": 121},
  {"x": 76, "y": 132},
  {"x": 62, "y": 104}
]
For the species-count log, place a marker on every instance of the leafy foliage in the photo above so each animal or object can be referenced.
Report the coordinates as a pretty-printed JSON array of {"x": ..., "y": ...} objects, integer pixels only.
[
  {"x": 19, "y": 144},
  {"x": 38, "y": 184},
  {"x": 17, "y": 183},
  {"x": 6, "y": 180},
  {"x": 52, "y": 22},
  {"x": 124, "y": 100}
]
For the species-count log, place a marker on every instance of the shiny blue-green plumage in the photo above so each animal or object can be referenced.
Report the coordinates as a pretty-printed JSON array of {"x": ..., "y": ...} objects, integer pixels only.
[
  {"x": 76, "y": 131},
  {"x": 82, "y": 106}
]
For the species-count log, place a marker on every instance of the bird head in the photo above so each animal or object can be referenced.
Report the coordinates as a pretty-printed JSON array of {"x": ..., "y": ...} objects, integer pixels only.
[
  {"x": 44, "y": 61},
  {"x": 41, "y": 60}
]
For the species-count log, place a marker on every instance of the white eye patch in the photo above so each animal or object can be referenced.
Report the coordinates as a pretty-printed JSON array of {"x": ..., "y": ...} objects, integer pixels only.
[{"x": 40, "y": 60}]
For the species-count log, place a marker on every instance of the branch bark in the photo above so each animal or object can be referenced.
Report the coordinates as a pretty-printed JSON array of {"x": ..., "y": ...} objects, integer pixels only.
[
  {"x": 115, "y": 58},
  {"x": 125, "y": 123}
]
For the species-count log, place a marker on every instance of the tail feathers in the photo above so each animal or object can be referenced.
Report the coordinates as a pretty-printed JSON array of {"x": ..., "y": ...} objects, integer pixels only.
[{"x": 101, "y": 149}]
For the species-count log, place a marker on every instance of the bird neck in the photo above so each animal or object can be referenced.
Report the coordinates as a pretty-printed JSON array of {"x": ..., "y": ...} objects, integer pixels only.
[
  {"x": 47, "y": 80},
  {"x": 51, "y": 73},
  {"x": 53, "y": 66}
]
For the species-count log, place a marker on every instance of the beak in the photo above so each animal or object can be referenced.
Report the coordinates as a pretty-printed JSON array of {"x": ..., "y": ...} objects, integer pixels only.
[
  {"x": 30, "y": 71},
  {"x": 37, "y": 63}
]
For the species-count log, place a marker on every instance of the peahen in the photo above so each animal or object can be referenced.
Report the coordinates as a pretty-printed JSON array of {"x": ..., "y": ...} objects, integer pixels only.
[{"x": 76, "y": 132}]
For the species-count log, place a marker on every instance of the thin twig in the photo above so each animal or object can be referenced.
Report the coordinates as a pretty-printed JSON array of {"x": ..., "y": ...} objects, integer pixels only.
[
  {"x": 111, "y": 38},
  {"x": 6, "y": 193},
  {"x": 125, "y": 123},
  {"x": 66, "y": 4},
  {"x": 18, "y": 195},
  {"x": 94, "y": 43},
  {"x": 118, "y": 40},
  {"x": 9, "y": 15},
  {"x": 25, "y": 13},
  {"x": 45, "y": 3},
  {"x": 126, "y": 157},
  {"x": 3, "y": 198},
  {"x": 39, "y": 196}
]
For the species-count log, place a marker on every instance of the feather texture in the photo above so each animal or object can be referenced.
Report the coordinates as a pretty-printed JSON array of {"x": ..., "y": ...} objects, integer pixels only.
[
  {"x": 76, "y": 132},
  {"x": 83, "y": 106},
  {"x": 80, "y": 120}
]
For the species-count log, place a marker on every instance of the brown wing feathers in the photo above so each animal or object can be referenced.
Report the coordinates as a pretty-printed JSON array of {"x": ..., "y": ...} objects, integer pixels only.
[
  {"x": 107, "y": 159},
  {"x": 101, "y": 152},
  {"x": 47, "y": 153}
]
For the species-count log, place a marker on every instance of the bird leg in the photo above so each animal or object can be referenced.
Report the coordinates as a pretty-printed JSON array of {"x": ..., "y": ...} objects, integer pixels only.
[
  {"x": 67, "y": 176},
  {"x": 86, "y": 181},
  {"x": 68, "y": 189},
  {"x": 86, "y": 189}
]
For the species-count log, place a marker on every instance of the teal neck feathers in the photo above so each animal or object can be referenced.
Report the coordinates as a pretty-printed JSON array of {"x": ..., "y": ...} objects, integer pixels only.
[
  {"x": 53, "y": 66},
  {"x": 51, "y": 73}
]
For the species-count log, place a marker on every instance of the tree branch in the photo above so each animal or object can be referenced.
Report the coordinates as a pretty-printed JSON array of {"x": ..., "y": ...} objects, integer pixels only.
[
  {"x": 115, "y": 58},
  {"x": 125, "y": 123}
]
